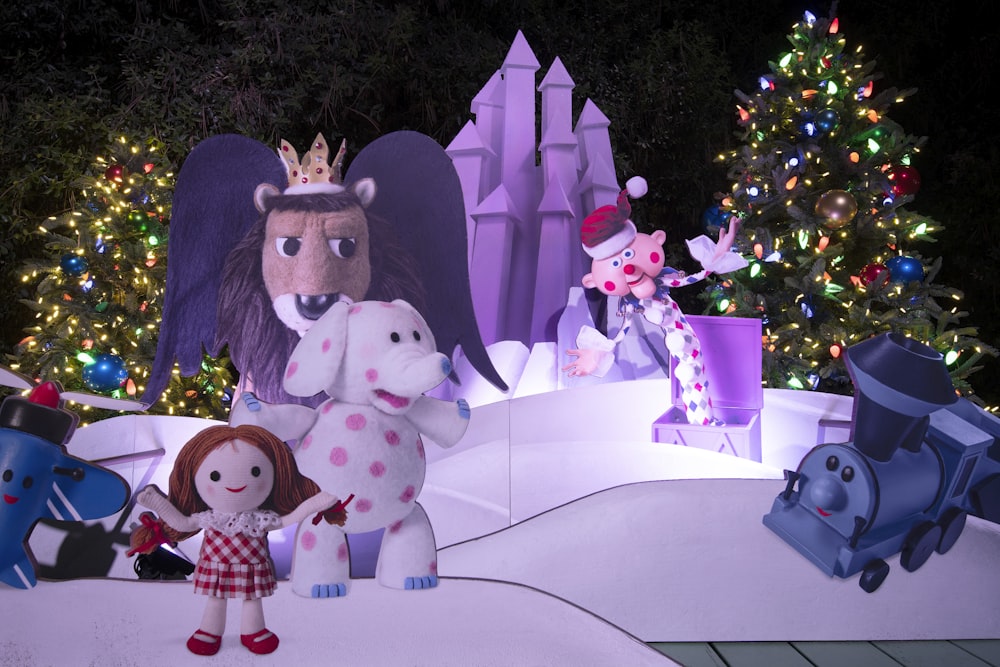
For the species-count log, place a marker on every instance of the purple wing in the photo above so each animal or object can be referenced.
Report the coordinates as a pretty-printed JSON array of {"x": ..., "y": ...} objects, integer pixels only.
[
  {"x": 212, "y": 210},
  {"x": 419, "y": 193}
]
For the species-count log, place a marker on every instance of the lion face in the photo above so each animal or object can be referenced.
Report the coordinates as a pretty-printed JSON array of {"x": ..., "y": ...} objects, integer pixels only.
[{"x": 312, "y": 260}]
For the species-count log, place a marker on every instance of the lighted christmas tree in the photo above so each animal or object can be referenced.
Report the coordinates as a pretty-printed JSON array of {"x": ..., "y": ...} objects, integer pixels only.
[
  {"x": 99, "y": 292},
  {"x": 821, "y": 183}
]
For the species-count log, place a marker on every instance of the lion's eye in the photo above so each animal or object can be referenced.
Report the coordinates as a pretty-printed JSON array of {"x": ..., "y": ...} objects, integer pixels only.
[
  {"x": 288, "y": 246},
  {"x": 343, "y": 248}
]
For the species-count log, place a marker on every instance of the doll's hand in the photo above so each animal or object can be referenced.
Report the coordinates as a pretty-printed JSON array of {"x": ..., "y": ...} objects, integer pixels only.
[
  {"x": 152, "y": 498},
  {"x": 336, "y": 514}
]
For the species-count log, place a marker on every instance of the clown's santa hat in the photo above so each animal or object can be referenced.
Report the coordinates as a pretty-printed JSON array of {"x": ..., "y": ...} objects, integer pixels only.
[{"x": 608, "y": 230}]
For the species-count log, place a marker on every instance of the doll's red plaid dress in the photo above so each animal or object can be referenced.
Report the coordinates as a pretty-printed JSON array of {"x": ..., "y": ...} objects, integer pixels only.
[{"x": 235, "y": 561}]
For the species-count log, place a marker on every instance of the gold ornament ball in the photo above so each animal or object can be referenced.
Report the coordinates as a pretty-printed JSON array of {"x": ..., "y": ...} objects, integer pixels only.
[{"x": 838, "y": 207}]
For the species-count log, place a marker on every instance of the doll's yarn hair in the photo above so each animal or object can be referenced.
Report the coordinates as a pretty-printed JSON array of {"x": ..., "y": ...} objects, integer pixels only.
[{"x": 290, "y": 488}]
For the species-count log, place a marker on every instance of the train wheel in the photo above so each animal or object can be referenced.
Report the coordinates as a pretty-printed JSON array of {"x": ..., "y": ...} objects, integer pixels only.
[
  {"x": 919, "y": 545},
  {"x": 952, "y": 523},
  {"x": 873, "y": 574}
]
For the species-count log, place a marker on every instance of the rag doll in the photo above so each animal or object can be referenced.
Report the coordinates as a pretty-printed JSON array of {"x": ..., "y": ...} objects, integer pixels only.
[{"x": 236, "y": 484}]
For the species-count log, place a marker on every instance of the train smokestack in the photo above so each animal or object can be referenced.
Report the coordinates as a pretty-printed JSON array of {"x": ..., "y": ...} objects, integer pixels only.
[{"x": 898, "y": 383}]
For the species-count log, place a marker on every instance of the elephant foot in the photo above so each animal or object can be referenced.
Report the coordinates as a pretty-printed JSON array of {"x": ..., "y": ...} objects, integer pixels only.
[
  {"x": 418, "y": 583},
  {"x": 328, "y": 591}
]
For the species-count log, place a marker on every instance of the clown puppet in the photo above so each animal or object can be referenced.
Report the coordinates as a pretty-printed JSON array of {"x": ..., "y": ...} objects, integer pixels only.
[{"x": 630, "y": 265}]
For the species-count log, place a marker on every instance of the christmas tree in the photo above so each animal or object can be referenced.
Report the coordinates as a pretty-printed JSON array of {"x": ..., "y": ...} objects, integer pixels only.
[
  {"x": 99, "y": 290},
  {"x": 821, "y": 183}
]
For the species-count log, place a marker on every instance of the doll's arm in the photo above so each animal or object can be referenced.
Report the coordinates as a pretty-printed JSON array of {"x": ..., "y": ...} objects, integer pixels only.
[
  {"x": 445, "y": 422},
  {"x": 153, "y": 498},
  {"x": 309, "y": 506}
]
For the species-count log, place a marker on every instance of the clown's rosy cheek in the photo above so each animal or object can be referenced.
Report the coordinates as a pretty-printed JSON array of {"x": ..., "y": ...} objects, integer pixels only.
[
  {"x": 654, "y": 257},
  {"x": 610, "y": 286}
]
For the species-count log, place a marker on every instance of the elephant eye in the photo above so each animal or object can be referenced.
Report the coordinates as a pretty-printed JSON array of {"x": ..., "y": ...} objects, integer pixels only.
[
  {"x": 8, "y": 475},
  {"x": 416, "y": 336},
  {"x": 343, "y": 248},
  {"x": 288, "y": 246},
  {"x": 214, "y": 476},
  {"x": 394, "y": 337}
]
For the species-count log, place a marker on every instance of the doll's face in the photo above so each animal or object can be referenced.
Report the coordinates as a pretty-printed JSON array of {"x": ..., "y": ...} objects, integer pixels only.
[
  {"x": 632, "y": 270},
  {"x": 236, "y": 477}
]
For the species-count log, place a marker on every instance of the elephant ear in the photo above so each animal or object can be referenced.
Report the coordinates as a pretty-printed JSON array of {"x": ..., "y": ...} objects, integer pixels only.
[{"x": 315, "y": 362}]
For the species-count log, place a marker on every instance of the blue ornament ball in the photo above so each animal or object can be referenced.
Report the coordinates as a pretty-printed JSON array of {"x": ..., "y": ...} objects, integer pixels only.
[
  {"x": 827, "y": 120},
  {"x": 73, "y": 265},
  {"x": 107, "y": 373},
  {"x": 714, "y": 218},
  {"x": 905, "y": 269}
]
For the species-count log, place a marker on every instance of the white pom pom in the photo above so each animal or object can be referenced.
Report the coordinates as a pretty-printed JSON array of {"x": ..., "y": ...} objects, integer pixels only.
[{"x": 636, "y": 187}]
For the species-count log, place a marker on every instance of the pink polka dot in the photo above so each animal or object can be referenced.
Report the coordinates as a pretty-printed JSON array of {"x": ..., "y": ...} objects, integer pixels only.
[
  {"x": 408, "y": 493},
  {"x": 363, "y": 505},
  {"x": 338, "y": 456},
  {"x": 356, "y": 422},
  {"x": 377, "y": 469},
  {"x": 395, "y": 526},
  {"x": 434, "y": 567},
  {"x": 609, "y": 286},
  {"x": 308, "y": 540},
  {"x": 306, "y": 441},
  {"x": 354, "y": 310},
  {"x": 342, "y": 553},
  {"x": 292, "y": 367},
  {"x": 392, "y": 437},
  {"x": 371, "y": 375},
  {"x": 325, "y": 347},
  {"x": 420, "y": 447},
  {"x": 327, "y": 406},
  {"x": 654, "y": 257}
]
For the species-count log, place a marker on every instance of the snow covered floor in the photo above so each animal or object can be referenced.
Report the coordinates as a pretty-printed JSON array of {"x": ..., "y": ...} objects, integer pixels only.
[{"x": 565, "y": 537}]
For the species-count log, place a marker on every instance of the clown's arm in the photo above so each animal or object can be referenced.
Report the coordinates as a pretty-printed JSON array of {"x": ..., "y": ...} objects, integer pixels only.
[
  {"x": 595, "y": 352},
  {"x": 445, "y": 422}
]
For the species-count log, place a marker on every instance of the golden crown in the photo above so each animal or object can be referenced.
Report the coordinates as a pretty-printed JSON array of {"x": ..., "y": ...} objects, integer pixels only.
[{"x": 313, "y": 173}]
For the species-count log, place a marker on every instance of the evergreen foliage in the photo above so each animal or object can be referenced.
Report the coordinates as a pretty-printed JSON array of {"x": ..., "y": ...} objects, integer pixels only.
[{"x": 822, "y": 184}]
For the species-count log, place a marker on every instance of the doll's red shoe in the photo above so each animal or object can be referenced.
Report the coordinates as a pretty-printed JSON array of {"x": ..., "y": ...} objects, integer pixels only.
[
  {"x": 204, "y": 643},
  {"x": 261, "y": 642}
]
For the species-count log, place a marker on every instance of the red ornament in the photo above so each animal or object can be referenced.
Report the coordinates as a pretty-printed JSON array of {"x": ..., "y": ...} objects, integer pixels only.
[
  {"x": 115, "y": 173},
  {"x": 904, "y": 181},
  {"x": 875, "y": 274}
]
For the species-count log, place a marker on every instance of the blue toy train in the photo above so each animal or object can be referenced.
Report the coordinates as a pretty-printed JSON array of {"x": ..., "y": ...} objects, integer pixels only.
[{"x": 919, "y": 462}]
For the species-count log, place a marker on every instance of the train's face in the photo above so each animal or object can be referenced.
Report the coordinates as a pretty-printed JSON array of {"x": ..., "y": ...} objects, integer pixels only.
[{"x": 837, "y": 485}]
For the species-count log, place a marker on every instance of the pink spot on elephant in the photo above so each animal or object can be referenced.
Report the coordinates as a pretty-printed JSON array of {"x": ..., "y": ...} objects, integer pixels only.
[
  {"x": 306, "y": 441},
  {"x": 371, "y": 375},
  {"x": 327, "y": 344},
  {"x": 338, "y": 456},
  {"x": 377, "y": 469},
  {"x": 292, "y": 368},
  {"x": 363, "y": 505},
  {"x": 395, "y": 526},
  {"x": 392, "y": 437},
  {"x": 420, "y": 447},
  {"x": 354, "y": 310},
  {"x": 433, "y": 567},
  {"x": 356, "y": 422},
  {"x": 408, "y": 494},
  {"x": 308, "y": 540},
  {"x": 342, "y": 553},
  {"x": 328, "y": 406}
]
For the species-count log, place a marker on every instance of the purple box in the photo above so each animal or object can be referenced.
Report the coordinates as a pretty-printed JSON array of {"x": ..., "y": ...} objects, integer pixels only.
[{"x": 732, "y": 350}]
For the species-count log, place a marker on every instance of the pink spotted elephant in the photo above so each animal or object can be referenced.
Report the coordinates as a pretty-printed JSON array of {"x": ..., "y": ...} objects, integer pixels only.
[{"x": 374, "y": 360}]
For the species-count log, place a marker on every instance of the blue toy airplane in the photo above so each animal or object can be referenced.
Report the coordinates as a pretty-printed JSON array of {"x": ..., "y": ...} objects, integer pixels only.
[{"x": 39, "y": 480}]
